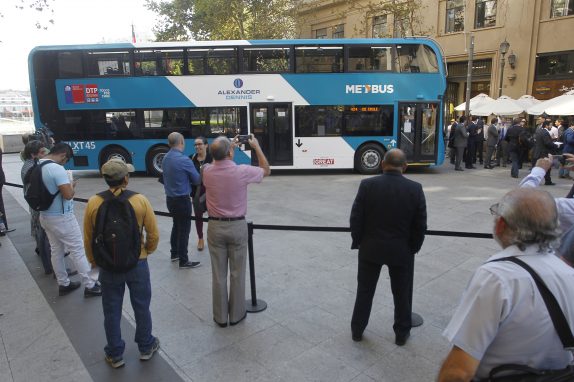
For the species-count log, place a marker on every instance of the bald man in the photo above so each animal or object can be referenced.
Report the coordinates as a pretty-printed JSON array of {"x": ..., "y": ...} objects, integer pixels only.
[
  {"x": 502, "y": 318},
  {"x": 388, "y": 225},
  {"x": 179, "y": 174}
]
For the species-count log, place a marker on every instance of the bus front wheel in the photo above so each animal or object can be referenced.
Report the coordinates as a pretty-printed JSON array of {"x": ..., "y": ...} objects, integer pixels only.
[
  {"x": 368, "y": 159},
  {"x": 155, "y": 159},
  {"x": 115, "y": 152}
]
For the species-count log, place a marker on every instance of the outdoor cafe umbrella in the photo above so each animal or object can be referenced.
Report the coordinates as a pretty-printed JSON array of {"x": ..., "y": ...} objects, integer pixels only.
[
  {"x": 527, "y": 101},
  {"x": 503, "y": 105},
  {"x": 475, "y": 102},
  {"x": 561, "y": 105}
]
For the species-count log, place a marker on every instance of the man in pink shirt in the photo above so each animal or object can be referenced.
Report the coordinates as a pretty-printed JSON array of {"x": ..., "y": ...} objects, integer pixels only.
[{"x": 226, "y": 190}]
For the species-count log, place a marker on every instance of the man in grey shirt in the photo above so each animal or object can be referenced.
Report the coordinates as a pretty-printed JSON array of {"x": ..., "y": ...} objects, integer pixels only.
[{"x": 502, "y": 318}]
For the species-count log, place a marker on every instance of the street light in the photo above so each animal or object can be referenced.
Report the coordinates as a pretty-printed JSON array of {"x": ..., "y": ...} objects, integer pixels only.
[{"x": 504, "y": 46}]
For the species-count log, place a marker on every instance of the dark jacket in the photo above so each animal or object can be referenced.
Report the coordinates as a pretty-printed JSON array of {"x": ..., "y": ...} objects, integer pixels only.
[
  {"x": 544, "y": 144},
  {"x": 2, "y": 176},
  {"x": 388, "y": 219},
  {"x": 512, "y": 137}
]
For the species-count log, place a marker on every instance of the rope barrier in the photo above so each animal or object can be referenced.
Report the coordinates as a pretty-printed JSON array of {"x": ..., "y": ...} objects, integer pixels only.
[{"x": 256, "y": 305}]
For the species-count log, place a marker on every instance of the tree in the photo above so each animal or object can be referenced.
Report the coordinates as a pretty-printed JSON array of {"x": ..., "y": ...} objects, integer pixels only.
[
  {"x": 223, "y": 19},
  {"x": 39, "y": 6}
]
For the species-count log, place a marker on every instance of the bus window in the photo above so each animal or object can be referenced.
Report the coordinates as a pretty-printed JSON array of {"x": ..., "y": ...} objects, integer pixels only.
[
  {"x": 171, "y": 62},
  {"x": 122, "y": 124},
  {"x": 370, "y": 59},
  {"x": 166, "y": 119},
  {"x": 319, "y": 59},
  {"x": 266, "y": 60},
  {"x": 215, "y": 121},
  {"x": 368, "y": 120},
  {"x": 212, "y": 61},
  {"x": 318, "y": 121},
  {"x": 70, "y": 64},
  {"x": 108, "y": 63},
  {"x": 145, "y": 63},
  {"x": 417, "y": 59}
]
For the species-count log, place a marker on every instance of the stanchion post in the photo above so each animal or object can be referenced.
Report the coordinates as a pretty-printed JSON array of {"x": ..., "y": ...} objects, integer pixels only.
[{"x": 254, "y": 305}]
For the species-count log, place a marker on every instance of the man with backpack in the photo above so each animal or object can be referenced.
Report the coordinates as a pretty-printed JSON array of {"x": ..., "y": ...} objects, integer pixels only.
[
  {"x": 51, "y": 191},
  {"x": 114, "y": 222}
]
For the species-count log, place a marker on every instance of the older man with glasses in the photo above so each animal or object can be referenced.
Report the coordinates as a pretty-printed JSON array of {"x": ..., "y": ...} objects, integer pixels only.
[{"x": 502, "y": 318}]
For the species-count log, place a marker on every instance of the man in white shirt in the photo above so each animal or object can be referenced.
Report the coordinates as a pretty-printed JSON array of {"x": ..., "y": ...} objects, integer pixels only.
[{"x": 502, "y": 318}]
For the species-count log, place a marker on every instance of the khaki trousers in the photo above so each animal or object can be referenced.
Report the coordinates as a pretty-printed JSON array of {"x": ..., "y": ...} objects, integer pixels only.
[{"x": 227, "y": 243}]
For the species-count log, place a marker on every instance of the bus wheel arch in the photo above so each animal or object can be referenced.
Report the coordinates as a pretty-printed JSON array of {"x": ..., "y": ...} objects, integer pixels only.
[
  {"x": 154, "y": 158},
  {"x": 114, "y": 151},
  {"x": 368, "y": 158}
]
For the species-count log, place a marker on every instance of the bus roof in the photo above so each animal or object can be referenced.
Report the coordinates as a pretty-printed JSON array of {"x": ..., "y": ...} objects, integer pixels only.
[{"x": 227, "y": 43}]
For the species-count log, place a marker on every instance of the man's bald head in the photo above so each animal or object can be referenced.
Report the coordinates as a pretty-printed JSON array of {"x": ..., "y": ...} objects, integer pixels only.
[
  {"x": 220, "y": 148},
  {"x": 175, "y": 139},
  {"x": 395, "y": 159}
]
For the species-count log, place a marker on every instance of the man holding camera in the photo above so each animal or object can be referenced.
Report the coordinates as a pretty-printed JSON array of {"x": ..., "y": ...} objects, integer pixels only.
[
  {"x": 544, "y": 145},
  {"x": 226, "y": 190}
]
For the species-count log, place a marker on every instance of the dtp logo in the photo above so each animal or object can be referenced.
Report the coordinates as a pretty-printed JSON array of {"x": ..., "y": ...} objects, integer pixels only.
[{"x": 238, "y": 83}]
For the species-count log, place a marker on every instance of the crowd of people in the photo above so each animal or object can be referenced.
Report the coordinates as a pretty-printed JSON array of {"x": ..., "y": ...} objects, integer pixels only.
[
  {"x": 509, "y": 143},
  {"x": 504, "y": 317}
]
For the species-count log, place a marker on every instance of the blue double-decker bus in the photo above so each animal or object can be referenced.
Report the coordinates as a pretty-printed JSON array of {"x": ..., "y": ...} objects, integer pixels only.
[{"x": 312, "y": 104}]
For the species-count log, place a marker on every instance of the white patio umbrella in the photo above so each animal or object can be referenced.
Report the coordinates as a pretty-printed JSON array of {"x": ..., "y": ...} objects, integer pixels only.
[
  {"x": 561, "y": 105},
  {"x": 503, "y": 105},
  {"x": 475, "y": 101},
  {"x": 527, "y": 101}
]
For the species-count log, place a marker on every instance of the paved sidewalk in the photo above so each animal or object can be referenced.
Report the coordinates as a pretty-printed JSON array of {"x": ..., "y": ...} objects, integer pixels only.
[{"x": 308, "y": 280}]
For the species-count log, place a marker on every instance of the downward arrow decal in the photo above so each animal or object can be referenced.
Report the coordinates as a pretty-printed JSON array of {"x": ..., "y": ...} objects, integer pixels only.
[{"x": 298, "y": 144}]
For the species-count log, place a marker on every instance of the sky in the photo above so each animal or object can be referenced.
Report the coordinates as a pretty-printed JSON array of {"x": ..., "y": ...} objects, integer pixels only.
[{"x": 75, "y": 22}]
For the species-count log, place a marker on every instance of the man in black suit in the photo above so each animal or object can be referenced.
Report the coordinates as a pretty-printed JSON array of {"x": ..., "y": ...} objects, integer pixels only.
[
  {"x": 472, "y": 129},
  {"x": 543, "y": 146},
  {"x": 388, "y": 225},
  {"x": 512, "y": 137}
]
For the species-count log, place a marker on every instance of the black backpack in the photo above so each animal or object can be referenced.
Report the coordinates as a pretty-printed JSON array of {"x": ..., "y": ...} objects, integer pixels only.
[
  {"x": 35, "y": 192},
  {"x": 116, "y": 242}
]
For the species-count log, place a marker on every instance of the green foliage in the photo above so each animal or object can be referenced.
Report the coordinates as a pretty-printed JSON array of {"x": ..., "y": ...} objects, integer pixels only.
[
  {"x": 223, "y": 19},
  {"x": 42, "y": 7}
]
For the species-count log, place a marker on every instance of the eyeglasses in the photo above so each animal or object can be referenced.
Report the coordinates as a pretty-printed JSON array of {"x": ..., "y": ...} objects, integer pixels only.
[{"x": 198, "y": 144}]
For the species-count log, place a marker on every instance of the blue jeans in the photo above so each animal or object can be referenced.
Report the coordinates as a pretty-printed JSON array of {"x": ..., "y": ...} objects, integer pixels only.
[
  {"x": 515, "y": 158},
  {"x": 113, "y": 287},
  {"x": 180, "y": 208}
]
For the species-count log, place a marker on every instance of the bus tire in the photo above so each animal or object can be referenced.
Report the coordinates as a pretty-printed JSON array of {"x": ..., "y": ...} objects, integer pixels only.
[
  {"x": 368, "y": 159},
  {"x": 153, "y": 160},
  {"x": 114, "y": 152}
]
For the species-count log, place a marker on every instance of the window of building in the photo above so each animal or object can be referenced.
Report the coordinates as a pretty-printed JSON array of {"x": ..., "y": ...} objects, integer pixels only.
[
  {"x": 319, "y": 59},
  {"x": 485, "y": 14},
  {"x": 401, "y": 26},
  {"x": 321, "y": 33},
  {"x": 380, "y": 26},
  {"x": 416, "y": 58},
  {"x": 339, "y": 31},
  {"x": 561, "y": 8},
  {"x": 370, "y": 58},
  {"x": 558, "y": 65},
  {"x": 454, "y": 16},
  {"x": 266, "y": 60},
  {"x": 101, "y": 63}
]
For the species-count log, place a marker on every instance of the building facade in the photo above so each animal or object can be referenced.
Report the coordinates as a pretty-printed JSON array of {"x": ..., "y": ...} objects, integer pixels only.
[{"x": 520, "y": 46}]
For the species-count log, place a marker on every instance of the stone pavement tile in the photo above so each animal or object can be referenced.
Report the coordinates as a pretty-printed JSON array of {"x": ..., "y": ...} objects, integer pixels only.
[
  {"x": 5, "y": 373},
  {"x": 358, "y": 355},
  {"x": 403, "y": 365},
  {"x": 315, "y": 365},
  {"x": 191, "y": 344},
  {"x": 226, "y": 365},
  {"x": 362, "y": 378},
  {"x": 316, "y": 325},
  {"x": 429, "y": 343},
  {"x": 338, "y": 301},
  {"x": 273, "y": 347}
]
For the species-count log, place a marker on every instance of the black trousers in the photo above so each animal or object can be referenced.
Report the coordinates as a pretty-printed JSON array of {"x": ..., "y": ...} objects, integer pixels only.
[
  {"x": 401, "y": 287},
  {"x": 2, "y": 210}
]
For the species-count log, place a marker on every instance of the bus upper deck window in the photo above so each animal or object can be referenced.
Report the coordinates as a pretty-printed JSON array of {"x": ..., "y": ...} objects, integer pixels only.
[
  {"x": 108, "y": 63},
  {"x": 370, "y": 59},
  {"x": 266, "y": 60},
  {"x": 318, "y": 59},
  {"x": 417, "y": 58}
]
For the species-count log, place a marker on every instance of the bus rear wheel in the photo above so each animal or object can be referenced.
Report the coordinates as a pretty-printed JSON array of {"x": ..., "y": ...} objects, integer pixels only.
[
  {"x": 368, "y": 159},
  {"x": 115, "y": 152},
  {"x": 154, "y": 160}
]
